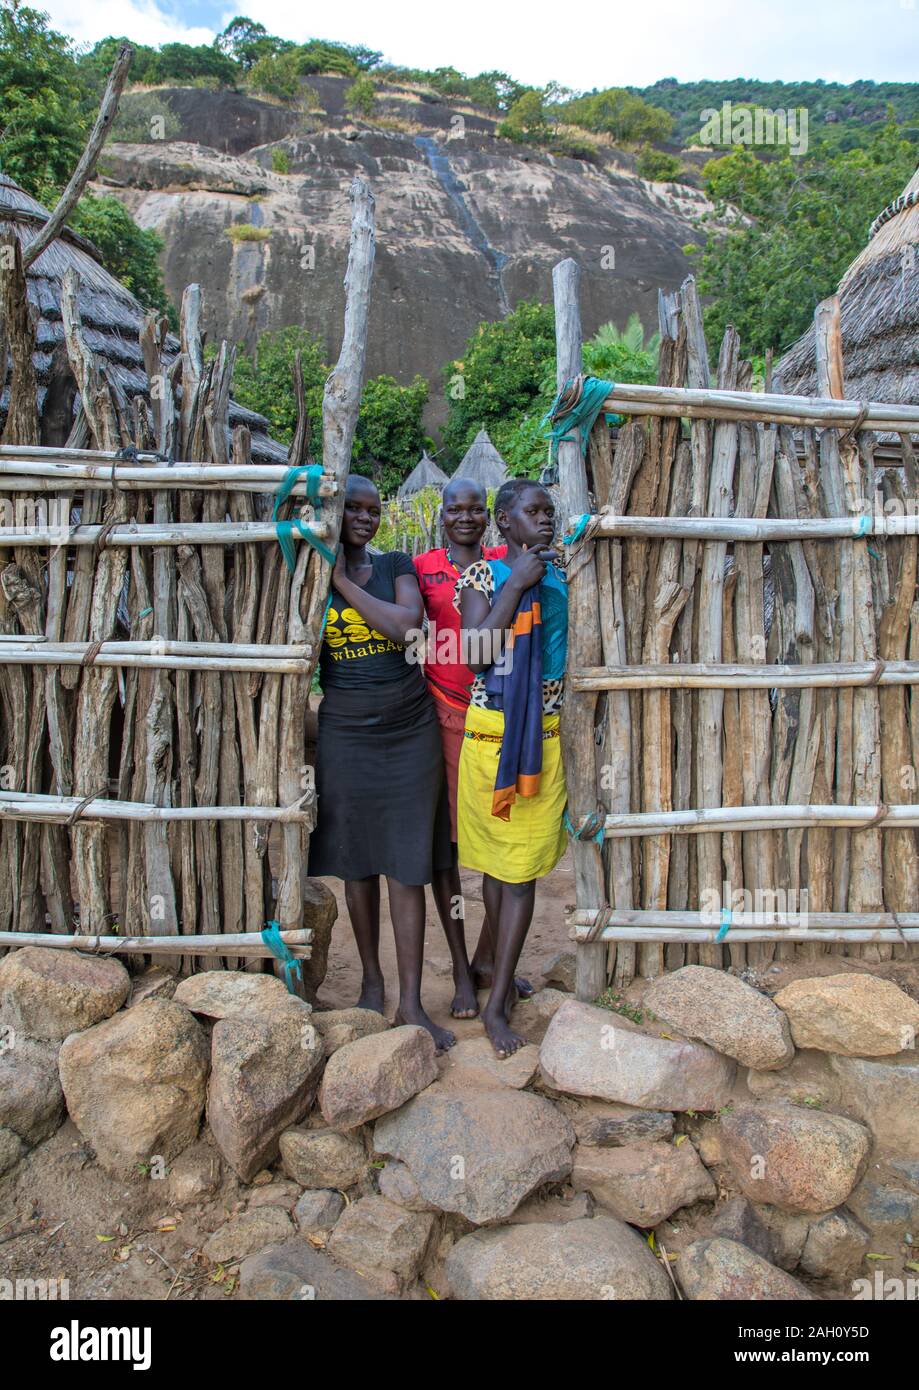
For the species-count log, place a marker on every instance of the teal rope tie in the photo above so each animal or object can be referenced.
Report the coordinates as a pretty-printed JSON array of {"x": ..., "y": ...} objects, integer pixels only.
[
  {"x": 580, "y": 527},
  {"x": 726, "y": 923},
  {"x": 271, "y": 935},
  {"x": 312, "y": 472},
  {"x": 863, "y": 526},
  {"x": 592, "y": 827}
]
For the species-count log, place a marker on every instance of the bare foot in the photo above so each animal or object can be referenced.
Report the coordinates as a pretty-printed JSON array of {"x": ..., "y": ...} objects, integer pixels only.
[
  {"x": 443, "y": 1038},
  {"x": 503, "y": 1038},
  {"x": 464, "y": 1004},
  {"x": 482, "y": 978},
  {"x": 373, "y": 996}
]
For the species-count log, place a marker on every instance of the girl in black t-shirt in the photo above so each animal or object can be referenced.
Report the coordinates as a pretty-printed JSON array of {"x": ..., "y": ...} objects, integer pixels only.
[{"x": 382, "y": 806}]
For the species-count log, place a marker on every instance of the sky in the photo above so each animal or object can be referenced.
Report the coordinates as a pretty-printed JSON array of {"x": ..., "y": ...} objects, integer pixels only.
[{"x": 615, "y": 43}]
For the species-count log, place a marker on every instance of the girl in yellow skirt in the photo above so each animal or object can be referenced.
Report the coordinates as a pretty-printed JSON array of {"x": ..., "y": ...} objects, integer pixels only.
[{"x": 511, "y": 795}]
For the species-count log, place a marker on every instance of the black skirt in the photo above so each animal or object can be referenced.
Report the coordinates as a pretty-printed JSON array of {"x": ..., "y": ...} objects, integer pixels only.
[{"x": 382, "y": 802}]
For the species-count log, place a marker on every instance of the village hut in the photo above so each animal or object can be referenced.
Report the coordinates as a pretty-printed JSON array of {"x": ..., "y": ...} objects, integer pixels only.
[
  {"x": 112, "y": 318},
  {"x": 879, "y": 302},
  {"x": 482, "y": 463},
  {"x": 426, "y": 473}
]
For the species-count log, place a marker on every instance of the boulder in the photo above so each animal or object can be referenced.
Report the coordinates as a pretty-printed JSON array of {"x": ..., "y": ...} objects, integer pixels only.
[
  {"x": 788, "y": 1232},
  {"x": 908, "y": 1171},
  {"x": 12, "y": 1149},
  {"x": 835, "y": 1246},
  {"x": 382, "y": 1242},
  {"x": 472, "y": 1063},
  {"x": 296, "y": 1272},
  {"x": 135, "y": 1084},
  {"x": 642, "y": 1183},
  {"x": 280, "y": 1192},
  {"x": 554, "y": 1208},
  {"x": 195, "y": 1175},
  {"x": 31, "y": 1099},
  {"x": 737, "y": 1220},
  {"x": 885, "y": 1209},
  {"x": 49, "y": 993},
  {"x": 340, "y": 1026},
  {"x": 605, "y": 1125},
  {"x": 478, "y": 1152},
  {"x": 800, "y": 1160},
  {"x": 318, "y": 1158},
  {"x": 531, "y": 1017},
  {"x": 884, "y": 1095},
  {"x": 561, "y": 971},
  {"x": 592, "y": 1052},
  {"x": 152, "y": 983},
  {"x": 316, "y": 1212},
  {"x": 264, "y": 1075},
  {"x": 397, "y": 1183},
  {"x": 855, "y": 1015},
  {"x": 247, "y": 1233},
  {"x": 237, "y": 994},
  {"x": 375, "y": 1074},
  {"x": 719, "y": 1270},
  {"x": 575, "y": 1260},
  {"x": 716, "y": 1008},
  {"x": 807, "y": 1080}
]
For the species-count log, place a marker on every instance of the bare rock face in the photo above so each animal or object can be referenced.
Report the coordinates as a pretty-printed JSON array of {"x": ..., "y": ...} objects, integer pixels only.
[
  {"x": 340, "y": 1026},
  {"x": 720, "y": 1270},
  {"x": 382, "y": 1241},
  {"x": 264, "y": 1076},
  {"x": 48, "y": 993},
  {"x": 135, "y": 1084},
  {"x": 247, "y": 1233},
  {"x": 796, "y": 1159},
  {"x": 716, "y": 1008},
  {"x": 600, "y": 1258},
  {"x": 318, "y": 1158},
  {"x": 854, "y": 1015},
  {"x": 31, "y": 1099},
  {"x": 642, "y": 1183},
  {"x": 592, "y": 1052},
  {"x": 478, "y": 1152},
  {"x": 835, "y": 1247},
  {"x": 884, "y": 1094},
  {"x": 375, "y": 1074},
  {"x": 236, "y": 994}
]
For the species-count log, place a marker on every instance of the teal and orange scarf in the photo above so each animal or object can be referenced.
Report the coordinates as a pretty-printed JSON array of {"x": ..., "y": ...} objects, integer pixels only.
[{"x": 514, "y": 685}]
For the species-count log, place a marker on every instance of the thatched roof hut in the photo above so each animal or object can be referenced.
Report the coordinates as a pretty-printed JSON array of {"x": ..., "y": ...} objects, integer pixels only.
[
  {"x": 426, "y": 473},
  {"x": 112, "y": 320},
  {"x": 482, "y": 463},
  {"x": 879, "y": 309}
]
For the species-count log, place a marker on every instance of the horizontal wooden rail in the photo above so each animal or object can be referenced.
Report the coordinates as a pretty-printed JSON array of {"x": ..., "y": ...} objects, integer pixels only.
[
  {"x": 727, "y": 818},
  {"x": 737, "y": 528},
  {"x": 157, "y": 654},
  {"x": 25, "y": 469},
  {"x": 649, "y": 925},
  {"x": 297, "y": 941},
  {"x": 167, "y": 533},
  {"x": 35, "y": 806},
  {"x": 685, "y": 675},
  {"x": 747, "y": 407}
]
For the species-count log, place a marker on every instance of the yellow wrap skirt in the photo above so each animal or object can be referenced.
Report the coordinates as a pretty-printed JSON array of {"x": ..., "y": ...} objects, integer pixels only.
[{"x": 533, "y": 840}]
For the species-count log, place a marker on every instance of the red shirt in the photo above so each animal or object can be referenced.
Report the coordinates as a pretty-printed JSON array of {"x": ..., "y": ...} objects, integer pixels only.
[{"x": 448, "y": 678}]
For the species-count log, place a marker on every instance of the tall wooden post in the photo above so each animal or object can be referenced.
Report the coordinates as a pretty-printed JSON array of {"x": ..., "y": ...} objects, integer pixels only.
[{"x": 584, "y": 646}]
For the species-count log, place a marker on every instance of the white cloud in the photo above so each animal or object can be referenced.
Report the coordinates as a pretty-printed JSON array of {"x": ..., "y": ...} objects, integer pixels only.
[{"x": 142, "y": 20}]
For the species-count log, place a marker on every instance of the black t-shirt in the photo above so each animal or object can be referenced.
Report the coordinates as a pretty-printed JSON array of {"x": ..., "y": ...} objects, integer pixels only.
[{"x": 353, "y": 653}]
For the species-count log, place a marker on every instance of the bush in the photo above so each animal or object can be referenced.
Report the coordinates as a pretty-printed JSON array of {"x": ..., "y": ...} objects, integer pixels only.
[
  {"x": 277, "y": 75},
  {"x": 145, "y": 118},
  {"x": 657, "y": 165},
  {"x": 280, "y": 160},
  {"x": 390, "y": 435},
  {"x": 361, "y": 96},
  {"x": 244, "y": 231},
  {"x": 264, "y": 381},
  {"x": 128, "y": 252}
]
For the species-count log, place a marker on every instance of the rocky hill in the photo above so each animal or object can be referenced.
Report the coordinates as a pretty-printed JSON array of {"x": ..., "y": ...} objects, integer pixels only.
[{"x": 468, "y": 224}]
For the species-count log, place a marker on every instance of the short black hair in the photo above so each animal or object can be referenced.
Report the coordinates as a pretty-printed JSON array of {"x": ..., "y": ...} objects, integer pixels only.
[
  {"x": 358, "y": 478},
  {"x": 510, "y": 493},
  {"x": 454, "y": 484}
]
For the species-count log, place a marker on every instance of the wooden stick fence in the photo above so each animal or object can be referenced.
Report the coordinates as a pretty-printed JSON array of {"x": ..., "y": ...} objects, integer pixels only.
[
  {"x": 248, "y": 944},
  {"x": 751, "y": 725}
]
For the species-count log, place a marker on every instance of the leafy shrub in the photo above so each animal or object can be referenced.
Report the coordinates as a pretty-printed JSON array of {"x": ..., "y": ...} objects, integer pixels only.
[
  {"x": 361, "y": 96},
  {"x": 657, "y": 165},
  {"x": 145, "y": 118},
  {"x": 280, "y": 160},
  {"x": 245, "y": 231}
]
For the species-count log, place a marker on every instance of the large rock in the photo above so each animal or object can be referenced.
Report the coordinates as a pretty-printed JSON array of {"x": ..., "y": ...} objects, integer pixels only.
[
  {"x": 31, "y": 1099},
  {"x": 478, "y": 1152},
  {"x": 237, "y": 994},
  {"x": 375, "y": 1074},
  {"x": 340, "y": 1026},
  {"x": 296, "y": 1272},
  {"x": 807, "y": 1080},
  {"x": 561, "y": 971},
  {"x": 885, "y": 1096},
  {"x": 835, "y": 1246},
  {"x": 195, "y": 1175},
  {"x": 135, "y": 1084},
  {"x": 396, "y": 1183},
  {"x": 322, "y": 1157},
  {"x": 472, "y": 1064},
  {"x": 800, "y": 1160},
  {"x": 316, "y": 1212},
  {"x": 737, "y": 1220},
  {"x": 576, "y": 1260},
  {"x": 855, "y": 1015},
  {"x": 48, "y": 993},
  {"x": 885, "y": 1209},
  {"x": 642, "y": 1183},
  {"x": 264, "y": 1075},
  {"x": 592, "y": 1052},
  {"x": 606, "y": 1125},
  {"x": 720, "y": 1270},
  {"x": 382, "y": 1241},
  {"x": 319, "y": 913},
  {"x": 247, "y": 1233},
  {"x": 716, "y": 1008},
  {"x": 531, "y": 1017}
]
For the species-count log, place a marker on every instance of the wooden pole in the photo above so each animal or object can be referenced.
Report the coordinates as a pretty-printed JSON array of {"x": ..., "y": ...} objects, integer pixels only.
[{"x": 243, "y": 943}]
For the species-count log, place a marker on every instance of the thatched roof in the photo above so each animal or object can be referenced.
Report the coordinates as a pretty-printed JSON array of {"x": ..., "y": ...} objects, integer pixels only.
[
  {"x": 426, "y": 473},
  {"x": 879, "y": 308},
  {"x": 112, "y": 317},
  {"x": 482, "y": 463}
]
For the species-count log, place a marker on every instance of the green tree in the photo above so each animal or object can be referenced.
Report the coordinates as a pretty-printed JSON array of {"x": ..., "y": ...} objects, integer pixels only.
[
  {"x": 42, "y": 123},
  {"x": 277, "y": 74},
  {"x": 657, "y": 165},
  {"x": 527, "y": 121},
  {"x": 619, "y": 113},
  {"x": 390, "y": 434},
  {"x": 245, "y": 41},
  {"x": 623, "y": 355},
  {"x": 264, "y": 381},
  {"x": 128, "y": 252},
  {"x": 361, "y": 96}
]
